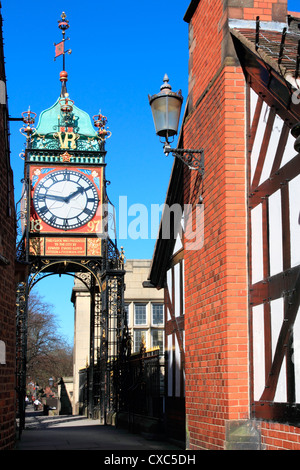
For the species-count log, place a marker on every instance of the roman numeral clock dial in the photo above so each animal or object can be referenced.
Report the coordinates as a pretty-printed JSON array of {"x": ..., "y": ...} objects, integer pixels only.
[{"x": 65, "y": 199}]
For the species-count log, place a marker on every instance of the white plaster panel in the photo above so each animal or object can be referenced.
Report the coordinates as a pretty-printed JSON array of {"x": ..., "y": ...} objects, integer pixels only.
[
  {"x": 178, "y": 244},
  {"x": 169, "y": 283},
  {"x": 272, "y": 147},
  {"x": 253, "y": 102},
  {"x": 257, "y": 244},
  {"x": 289, "y": 151},
  {"x": 177, "y": 289},
  {"x": 275, "y": 233},
  {"x": 296, "y": 355},
  {"x": 183, "y": 289},
  {"x": 276, "y": 324},
  {"x": 294, "y": 195},
  {"x": 170, "y": 364},
  {"x": 259, "y": 137},
  {"x": 177, "y": 368}
]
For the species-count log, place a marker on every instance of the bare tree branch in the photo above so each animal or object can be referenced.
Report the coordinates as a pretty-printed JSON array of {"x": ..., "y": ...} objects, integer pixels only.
[{"x": 48, "y": 353}]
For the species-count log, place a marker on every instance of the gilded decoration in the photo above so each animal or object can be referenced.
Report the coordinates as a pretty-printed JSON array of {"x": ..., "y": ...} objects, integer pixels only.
[
  {"x": 36, "y": 246},
  {"x": 94, "y": 246}
]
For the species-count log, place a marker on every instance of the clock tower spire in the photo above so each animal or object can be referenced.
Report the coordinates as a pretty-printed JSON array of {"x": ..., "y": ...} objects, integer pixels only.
[{"x": 63, "y": 25}]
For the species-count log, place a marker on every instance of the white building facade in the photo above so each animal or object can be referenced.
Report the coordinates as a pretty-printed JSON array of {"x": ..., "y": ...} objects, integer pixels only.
[{"x": 145, "y": 313}]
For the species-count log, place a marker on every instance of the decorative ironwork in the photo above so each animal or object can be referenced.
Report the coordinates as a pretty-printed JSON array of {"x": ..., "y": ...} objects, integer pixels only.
[
  {"x": 143, "y": 387},
  {"x": 63, "y": 25},
  {"x": 21, "y": 350},
  {"x": 114, "y": 330},
  {"x": 189, "y": 157},
  {"x": 100, "y": 122},
  {"x": 283, "y": 37},
  {"x": 20, "y": 250},
  {"x": 28, "y": 120},
  {"x": 257, "y": 29}
]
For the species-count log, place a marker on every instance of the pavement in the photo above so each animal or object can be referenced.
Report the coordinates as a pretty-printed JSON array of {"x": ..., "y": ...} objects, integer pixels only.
[{"x": 79, "y": 433}]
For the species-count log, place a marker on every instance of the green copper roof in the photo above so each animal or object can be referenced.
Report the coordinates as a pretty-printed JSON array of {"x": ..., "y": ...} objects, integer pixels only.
[
  {"x": 48, "y": 121},
  {"x": 58, "y": 129}
]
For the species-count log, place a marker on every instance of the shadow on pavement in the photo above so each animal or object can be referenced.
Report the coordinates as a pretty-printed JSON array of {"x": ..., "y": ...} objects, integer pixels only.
[{"x": 68, "y": 432}]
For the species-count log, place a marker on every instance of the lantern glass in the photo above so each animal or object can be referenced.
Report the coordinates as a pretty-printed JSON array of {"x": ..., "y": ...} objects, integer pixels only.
[
  {"x": 166, "y": 113},
  {"x": 166, "y": 108}
]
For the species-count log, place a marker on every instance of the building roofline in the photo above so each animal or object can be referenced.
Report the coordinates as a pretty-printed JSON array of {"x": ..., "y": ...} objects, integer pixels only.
[{"x": 191, "y": 10}]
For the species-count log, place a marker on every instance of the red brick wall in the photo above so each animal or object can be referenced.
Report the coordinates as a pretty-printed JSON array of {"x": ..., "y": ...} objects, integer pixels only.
[
  {"x": 277, "y": 436},
  {"x": 216, "y": 293},
  {"x": 7, "y": 305},
  {"x": 216, "y": 275},
  {"x": 203, "y": 28},
  {"x": 7, "y": 278}
]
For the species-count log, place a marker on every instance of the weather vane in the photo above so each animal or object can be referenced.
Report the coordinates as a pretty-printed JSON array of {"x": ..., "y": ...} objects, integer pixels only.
[{"x": 63, "y": 24}]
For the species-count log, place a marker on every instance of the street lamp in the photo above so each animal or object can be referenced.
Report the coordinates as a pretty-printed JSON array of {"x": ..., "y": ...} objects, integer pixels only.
[{"x": 166, "y": 108}]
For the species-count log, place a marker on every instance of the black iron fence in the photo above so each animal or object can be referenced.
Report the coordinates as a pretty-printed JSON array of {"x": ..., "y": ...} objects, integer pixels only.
[
  {"x": 144, "y": 393},
  {"x": 135, "y": 389}
]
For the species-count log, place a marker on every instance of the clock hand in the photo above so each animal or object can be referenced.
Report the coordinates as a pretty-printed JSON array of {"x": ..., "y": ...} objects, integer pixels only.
[
  {"x": 79, "y": 191},
  {"x": 55, "y": 197}
]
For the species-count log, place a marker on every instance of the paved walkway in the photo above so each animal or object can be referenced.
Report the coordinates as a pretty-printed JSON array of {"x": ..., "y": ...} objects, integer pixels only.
[{"x": 79, "y": 433}]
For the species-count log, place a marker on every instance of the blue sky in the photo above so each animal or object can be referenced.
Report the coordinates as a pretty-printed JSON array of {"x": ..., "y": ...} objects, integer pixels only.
[{"x": 120, "y": 53}]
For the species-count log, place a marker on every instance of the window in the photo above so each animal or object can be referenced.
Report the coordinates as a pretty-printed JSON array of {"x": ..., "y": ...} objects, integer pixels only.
[
  {"x": 139, "y": 336},
  {"x": 140, "y": 314},
  {"x": 126, "y": 309},
  {"x": 157, "y": 314},
  {"x": 158, "y": 340}
]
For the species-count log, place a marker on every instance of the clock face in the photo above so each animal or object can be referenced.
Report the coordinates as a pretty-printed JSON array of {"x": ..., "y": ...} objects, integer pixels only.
[{"x": 65, "y": 199}]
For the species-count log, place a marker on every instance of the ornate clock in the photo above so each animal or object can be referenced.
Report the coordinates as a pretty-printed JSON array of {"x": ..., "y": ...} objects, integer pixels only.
[
  {"x": 66, "y": 163},
  {"x": 65, "y": 199}
]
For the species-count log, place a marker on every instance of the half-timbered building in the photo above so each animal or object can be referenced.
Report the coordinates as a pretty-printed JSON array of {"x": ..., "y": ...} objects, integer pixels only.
[
  {"x": 168, "y": 271},
  {"x": 232, "y": 329}
]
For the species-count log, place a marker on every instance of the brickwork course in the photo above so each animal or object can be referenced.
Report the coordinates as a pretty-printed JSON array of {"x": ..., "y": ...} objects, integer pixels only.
[{"x": 7, "y": 275}]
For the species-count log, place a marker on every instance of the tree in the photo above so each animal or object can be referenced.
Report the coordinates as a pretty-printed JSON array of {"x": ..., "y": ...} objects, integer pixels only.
[{"x": 48, "y": 354}]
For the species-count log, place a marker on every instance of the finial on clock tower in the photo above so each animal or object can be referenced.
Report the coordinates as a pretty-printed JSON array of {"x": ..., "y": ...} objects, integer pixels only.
[{"x": 63, "y": 25}]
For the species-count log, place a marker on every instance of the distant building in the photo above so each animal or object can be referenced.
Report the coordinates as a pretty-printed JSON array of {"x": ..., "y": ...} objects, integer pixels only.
[
  {"x": 144, "y": 306},
  {"x": 145, "y": 313}
]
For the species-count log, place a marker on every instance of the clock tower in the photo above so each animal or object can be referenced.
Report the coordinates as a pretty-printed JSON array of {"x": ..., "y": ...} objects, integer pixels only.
[
  {"x": 64, "y": 226},
  {"x": 64, "y": 165}
]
